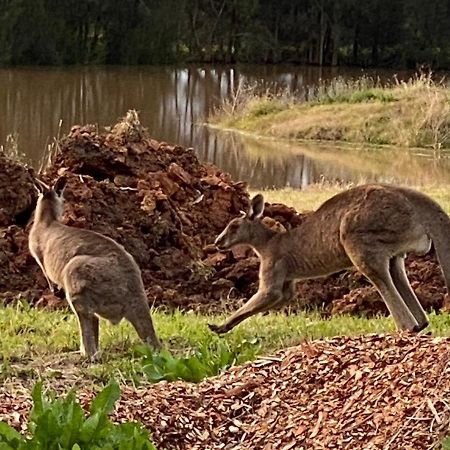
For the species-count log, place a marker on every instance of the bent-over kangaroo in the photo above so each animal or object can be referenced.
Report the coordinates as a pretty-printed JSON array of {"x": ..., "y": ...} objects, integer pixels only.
[
  {"x": 371, "y": 227},
  {"x": 99, "y": 277}
]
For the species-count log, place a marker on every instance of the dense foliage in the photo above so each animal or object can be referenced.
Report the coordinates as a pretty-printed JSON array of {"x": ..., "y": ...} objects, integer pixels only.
[
  {"x": 371, "y": 32},
  {"x": 207, "y": 360},
  {"x": 61, "y": 424}
]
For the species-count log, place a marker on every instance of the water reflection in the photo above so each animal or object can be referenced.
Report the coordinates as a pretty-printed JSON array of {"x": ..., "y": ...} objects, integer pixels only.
[
  {"x": 172, "y": 102},
  {"x": 267, "y": 163}
]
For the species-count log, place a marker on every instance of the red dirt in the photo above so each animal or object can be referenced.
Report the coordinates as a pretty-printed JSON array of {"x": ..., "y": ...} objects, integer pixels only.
[
  {"x": 166, "y": 208},
  {"x": 371, "y": 392}
]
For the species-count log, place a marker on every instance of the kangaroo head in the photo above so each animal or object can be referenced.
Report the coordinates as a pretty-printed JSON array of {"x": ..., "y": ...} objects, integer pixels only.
[
  {"x": 50, "y": 201},
  {"x": 244, "y": 229}
]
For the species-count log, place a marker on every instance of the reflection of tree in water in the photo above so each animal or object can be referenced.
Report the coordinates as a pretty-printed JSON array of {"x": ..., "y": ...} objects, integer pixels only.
[
  {"x": 267, "y": 164},
  {"x": 170, "y": 100},
  {"x": 172, "y": 103},
  {"x": 227, "y": 151}
]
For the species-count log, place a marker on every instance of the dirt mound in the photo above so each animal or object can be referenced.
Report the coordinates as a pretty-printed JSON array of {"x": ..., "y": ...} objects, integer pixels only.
[
  {"x": 371, "y": 392},
  {"x": 166, "y": 208}
]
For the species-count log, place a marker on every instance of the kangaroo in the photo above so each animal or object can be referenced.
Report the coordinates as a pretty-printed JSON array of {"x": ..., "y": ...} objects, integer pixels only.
[
  {"x": 371, "y": 227},
  {"x": 99, "y": 277}
]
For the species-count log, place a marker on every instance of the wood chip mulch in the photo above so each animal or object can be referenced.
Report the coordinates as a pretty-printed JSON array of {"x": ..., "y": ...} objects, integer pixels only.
[{"x": 370, "y": 392}]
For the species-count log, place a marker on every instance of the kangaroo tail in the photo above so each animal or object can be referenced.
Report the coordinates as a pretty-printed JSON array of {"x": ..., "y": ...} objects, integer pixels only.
[{"x": 437, "y": 225}]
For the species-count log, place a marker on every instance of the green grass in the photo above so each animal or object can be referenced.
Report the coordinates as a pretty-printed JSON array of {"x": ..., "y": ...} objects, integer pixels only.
[
  {"x": 411, "y": 114},
  {"x": 39, "y": 344}
]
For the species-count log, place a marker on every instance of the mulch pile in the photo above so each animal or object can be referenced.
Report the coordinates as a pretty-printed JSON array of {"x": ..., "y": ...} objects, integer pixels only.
[
  {"x": 371, "y": 392},
  {"x": 166, "y": 208}
]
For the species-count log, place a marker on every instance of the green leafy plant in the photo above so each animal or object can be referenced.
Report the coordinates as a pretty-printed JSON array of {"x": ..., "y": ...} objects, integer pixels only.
[
  {"x": 61, "y": 424},
  {"x": 206, "y": 361}
]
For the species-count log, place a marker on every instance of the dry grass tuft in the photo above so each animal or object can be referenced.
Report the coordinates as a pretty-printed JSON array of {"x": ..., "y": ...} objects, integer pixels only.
[
  {"x": 415, "y": 113},
  {"x": 10, "y": 149}
]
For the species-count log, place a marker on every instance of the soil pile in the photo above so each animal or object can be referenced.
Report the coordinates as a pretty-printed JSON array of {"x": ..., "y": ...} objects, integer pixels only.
[
  {"x": 166, "y": 208},
  {"x": 371, "y": 392}
]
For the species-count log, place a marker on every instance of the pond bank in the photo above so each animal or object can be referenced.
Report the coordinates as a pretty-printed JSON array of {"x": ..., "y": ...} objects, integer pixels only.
[{"x": 408, "y": 114}]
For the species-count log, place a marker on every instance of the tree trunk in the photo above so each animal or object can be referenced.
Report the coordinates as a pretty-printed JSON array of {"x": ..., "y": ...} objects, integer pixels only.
[
  {"x": 355, "y": 45},
  {"x": 322, "y": 35}
]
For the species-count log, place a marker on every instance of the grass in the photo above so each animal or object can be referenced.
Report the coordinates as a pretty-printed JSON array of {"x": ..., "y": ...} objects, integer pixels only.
[
  {"x": 409, "y": 114},
  {"x": 313, "y": 196},
  {"x": 39, "y": 344}
]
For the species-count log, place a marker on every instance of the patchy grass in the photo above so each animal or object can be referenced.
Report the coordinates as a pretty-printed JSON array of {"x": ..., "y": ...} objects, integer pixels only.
[
  {"x": 408, "y": 114},
  {"x": 313, "y": 196},
  {"x": 39, "y": 344}
]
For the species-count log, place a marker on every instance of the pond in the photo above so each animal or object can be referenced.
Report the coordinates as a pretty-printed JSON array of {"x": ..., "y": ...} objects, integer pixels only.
[{"x": 173, "y": 103}]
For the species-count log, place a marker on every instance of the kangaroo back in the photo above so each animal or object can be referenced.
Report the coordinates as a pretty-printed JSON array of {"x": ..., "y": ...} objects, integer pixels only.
[
  {"x": 99, "y": 277},
  {"x": 437, "y": 224}
]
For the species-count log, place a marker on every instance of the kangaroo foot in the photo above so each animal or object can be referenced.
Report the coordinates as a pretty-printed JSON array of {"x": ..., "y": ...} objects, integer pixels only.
[
  {"x": 219, "y": 329},
  {"x": 420, "y": 327},
  {"x": 91, "y": 359},
  {"x": 155, "y": 344}
]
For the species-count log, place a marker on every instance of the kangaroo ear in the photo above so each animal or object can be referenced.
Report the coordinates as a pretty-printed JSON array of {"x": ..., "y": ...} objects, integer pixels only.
[
  {"x": 39, "y": 185},
  {"x": 60, "y": 185},
  {"x": 256, "y": 207}
]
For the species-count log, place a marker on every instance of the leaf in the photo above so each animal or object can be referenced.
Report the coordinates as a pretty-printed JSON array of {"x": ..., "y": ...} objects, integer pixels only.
[
  {"x": 73, "y": 420},
  {"x": 38, "y": 400},
  {"x": 89, "y": 427},
  {"x": 5, "y": 446},
  {"x": 9, "y": 434},
  {"x": 105, "y": 400}
]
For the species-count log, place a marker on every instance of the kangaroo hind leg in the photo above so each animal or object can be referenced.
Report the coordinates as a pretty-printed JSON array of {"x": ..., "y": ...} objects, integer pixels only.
[
  {"x": 374, "y": 264},
  {"x": 142, "y": 322},
  {"x": 88, "y": 325},
  {"x": 398, "y": 273}
]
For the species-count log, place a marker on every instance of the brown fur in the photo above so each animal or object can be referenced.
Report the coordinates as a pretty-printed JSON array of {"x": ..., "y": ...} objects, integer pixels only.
[
  {"x": 371, "y": 227},
  {"x": 99, "y": 277}
]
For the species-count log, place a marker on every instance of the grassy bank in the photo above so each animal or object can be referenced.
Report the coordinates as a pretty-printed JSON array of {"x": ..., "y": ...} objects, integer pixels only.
[
  {"x": 39, "y": 344},
  {"x": 407, "y": 114}
]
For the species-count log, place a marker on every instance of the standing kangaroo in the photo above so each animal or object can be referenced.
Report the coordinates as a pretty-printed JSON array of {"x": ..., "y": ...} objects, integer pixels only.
[
  {"x": 99, "y": 277},
  {"x": 371, "y": 227}
]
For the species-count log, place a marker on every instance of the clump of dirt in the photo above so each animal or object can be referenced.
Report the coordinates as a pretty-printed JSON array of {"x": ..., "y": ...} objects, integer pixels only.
[
  {"x": 166, "y": 208},
  {"x": 377, "y": 392},
  {"x": 17, "y": 195}
]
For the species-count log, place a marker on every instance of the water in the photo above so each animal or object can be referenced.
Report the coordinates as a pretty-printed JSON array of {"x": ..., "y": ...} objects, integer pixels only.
[{"x": 173, "y": 103}]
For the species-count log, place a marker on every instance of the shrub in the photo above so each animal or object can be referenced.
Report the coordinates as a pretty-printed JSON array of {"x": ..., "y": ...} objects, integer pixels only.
[
  {"x": 262, "y": 106},
  {"x": 61, "y": 424},
  {"x": 371, "y": 95}
]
